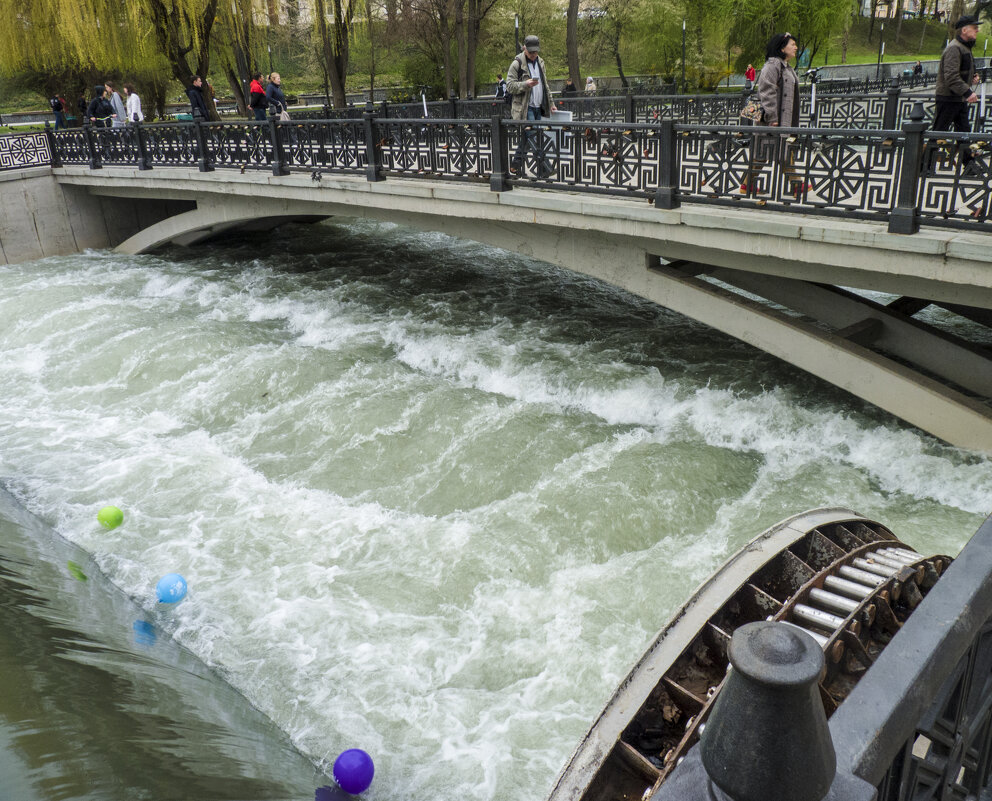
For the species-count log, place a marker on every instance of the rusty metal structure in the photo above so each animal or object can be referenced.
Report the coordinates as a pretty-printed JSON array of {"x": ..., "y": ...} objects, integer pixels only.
[{"x": 719, "y": 706}]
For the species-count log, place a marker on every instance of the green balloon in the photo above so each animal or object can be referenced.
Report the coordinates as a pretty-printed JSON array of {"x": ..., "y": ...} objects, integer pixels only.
[
  {"x": 76, "y": 571},
  {"x": 110, "y": 517}
]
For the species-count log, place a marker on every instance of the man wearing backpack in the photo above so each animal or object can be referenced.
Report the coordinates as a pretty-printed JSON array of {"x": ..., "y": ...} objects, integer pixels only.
[
  {"x": 58, "y": 109},
  {"x": 526, "y": 81}
]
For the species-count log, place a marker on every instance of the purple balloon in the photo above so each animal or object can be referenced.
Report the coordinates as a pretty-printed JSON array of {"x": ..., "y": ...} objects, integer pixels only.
[{"x": 353, "y": 771}]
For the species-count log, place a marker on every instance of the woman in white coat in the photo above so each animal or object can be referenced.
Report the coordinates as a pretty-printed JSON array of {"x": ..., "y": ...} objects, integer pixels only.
[{"x": 133, "y": 104}]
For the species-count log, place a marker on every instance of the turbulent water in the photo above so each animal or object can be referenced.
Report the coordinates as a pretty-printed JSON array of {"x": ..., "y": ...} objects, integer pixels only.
[{"x": 432, "y": 499}]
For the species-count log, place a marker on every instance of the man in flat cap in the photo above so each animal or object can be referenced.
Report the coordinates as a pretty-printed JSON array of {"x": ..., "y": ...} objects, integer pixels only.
[
  {"x": 955, "y": 79},
  {"x": 526, "y": 80}
]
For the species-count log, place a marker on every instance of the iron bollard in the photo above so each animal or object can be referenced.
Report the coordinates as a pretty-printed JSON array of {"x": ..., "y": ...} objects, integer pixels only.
[
  {"x": 95, "y": 163},
  {"x": 54, "y": 160},
  {"x": 499, "y": 181},
  {"x": 278, "y": 154},
  {"x": 203, "y": 156},
  {"x": 891, "y": 113},
  {"x": 373, "y": 152},
  {"x": 767, "y": 735},
  {"x": 453, "y": 109},
  {"x": 144, "y": 162},
  {"x": 667, "y": 196},
  {"x": 905, "y": 217}
]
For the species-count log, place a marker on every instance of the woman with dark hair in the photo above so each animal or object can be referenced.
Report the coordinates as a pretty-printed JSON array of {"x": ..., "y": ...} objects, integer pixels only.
[
  {"x": 778, "y": 96},
  {"x": 778, "y": 84},
  {"x": 257, "y": 100}
]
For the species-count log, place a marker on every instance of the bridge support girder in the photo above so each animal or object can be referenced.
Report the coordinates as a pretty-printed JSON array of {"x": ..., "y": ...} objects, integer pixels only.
[{"x": 823, "y": 350}]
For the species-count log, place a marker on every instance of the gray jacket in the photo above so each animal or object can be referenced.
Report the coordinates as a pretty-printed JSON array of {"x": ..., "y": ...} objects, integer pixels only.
[
  {"x": 778, "y": 93},
  {"x": 516, "y": 84},
  {"x": 957, "y": 68}
]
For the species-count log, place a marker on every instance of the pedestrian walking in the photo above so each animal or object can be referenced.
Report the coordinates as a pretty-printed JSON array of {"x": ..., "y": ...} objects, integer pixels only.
[
  {"x": 58, "y": 109},
  {"x": 500, "y": 86},
  {"x": 134, "y": 113},
  {"x": 257, "y": 101},
  {"x": 778, "y": 96},
  {"x": 955, "y": 78},
  {"x": 120, "y": 113},
  {"x": 81, "y": 104},
  {"x": 527, "y": 81},
  {"x": 917, "y": 69},
  {"x": 569, "y": 90},
  {"x": 195, "y": 94},
  {"x": 749, "y": 76},
  {"x": 99, "y": 111},
  {"x": 590, "y": 86},
  {"x": 275, "y": 97}
]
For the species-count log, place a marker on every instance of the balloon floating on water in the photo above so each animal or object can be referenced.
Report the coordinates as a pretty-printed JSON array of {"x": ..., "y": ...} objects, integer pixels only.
[
  {"x": 110, "y": 517},
  {"x": 353, "y": 771},
  {"x": 171, "y": 588}
]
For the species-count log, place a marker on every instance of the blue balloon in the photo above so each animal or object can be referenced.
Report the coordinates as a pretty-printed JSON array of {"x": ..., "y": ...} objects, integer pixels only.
[
  {"x": 171, "y": 588},
  {"x": 353, "y": 771}
]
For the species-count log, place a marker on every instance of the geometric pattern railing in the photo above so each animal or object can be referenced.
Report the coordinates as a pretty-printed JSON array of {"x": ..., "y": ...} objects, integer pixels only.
[
  {"x": 854, "y": 173},
  {"x": 24, "y": 150},
  {"x": 949, "y": 756},
  {"x": 864, "y": 173}
]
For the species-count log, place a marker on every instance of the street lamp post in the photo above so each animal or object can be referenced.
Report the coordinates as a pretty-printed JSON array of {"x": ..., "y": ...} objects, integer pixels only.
[
  {"x": 881, "y": 50},
  {"x": 683, "y": 56},
  {"x": 516, "y": 32}
]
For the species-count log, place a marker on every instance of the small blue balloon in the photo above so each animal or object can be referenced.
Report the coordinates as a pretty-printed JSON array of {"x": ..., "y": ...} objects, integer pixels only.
[
  {"x": 171, "y": 588},
  {"x": 353, "y": 771}
]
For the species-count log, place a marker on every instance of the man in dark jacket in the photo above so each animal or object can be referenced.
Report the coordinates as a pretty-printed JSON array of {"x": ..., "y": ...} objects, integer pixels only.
[
  {"x": 195, "y": 95},
  {"x": 955, "y": 77},
  {"x": 100, "y": 112}
]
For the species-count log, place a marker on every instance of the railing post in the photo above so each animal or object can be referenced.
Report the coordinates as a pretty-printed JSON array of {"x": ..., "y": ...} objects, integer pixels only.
[
  {"x": 499, "y": 181},
  {"x": 144, "y": 163},
  {"x": 278, "y": 154},
  {"x": 890, "y": 116},
  {"x": 453, "y": 108},
  {"x": 203, "y": 157},
  {"x": 905, "y": 217},
  {"x": 373, "y": 154},
  {"x": 55, "y": 160},
  {"x": 628, "y": 108},
  {"x": 667, "y": 196},
  {"x": 95, "y": 163}
]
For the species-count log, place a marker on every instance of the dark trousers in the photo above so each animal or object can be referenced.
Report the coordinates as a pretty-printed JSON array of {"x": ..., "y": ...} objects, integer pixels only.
[
  {"x": 529, "y": 141},
  {"x": 259, "y": 114},
  {"x": 952, "y": 115},
  {"x": 59, "y": 120}
]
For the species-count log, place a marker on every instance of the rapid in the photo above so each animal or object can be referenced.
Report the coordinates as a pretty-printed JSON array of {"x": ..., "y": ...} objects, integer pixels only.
[{"x": 432, "y": 499}]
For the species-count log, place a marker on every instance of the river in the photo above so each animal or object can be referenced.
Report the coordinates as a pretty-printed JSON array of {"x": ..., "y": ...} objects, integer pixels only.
[{"x": 432, "y": 499}]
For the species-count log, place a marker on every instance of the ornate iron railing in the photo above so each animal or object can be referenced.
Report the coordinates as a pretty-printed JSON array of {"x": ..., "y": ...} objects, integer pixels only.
[
  {"x": 903, "y": 176},
  {"x": 24, "y": 150}
]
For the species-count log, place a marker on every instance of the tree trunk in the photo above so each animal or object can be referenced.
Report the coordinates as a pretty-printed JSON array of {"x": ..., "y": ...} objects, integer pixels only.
[
  {"x": 843, "y": 45},
  {"x": 170, "y": 24},
  {"x": 871, "y": 27},
  {"x": 572, "y": 42},
  {"x": 334, "y": 45},
  {"x": 444, "y": 25},
  {"x": 237, "y": 89},
  {"x": 462, "y": 44}
]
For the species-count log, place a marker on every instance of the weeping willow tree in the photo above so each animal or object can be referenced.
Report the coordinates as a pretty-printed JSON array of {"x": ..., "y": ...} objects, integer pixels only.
[
  {"x": 87, "y": 38},
  {"x": 237, "y": 38},
  {"x": 332, "y": 19},
  {"x": 756, "y": 21}
]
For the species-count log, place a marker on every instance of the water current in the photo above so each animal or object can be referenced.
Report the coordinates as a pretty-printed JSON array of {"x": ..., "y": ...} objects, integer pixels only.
[{"x": 432, "y": 499}]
